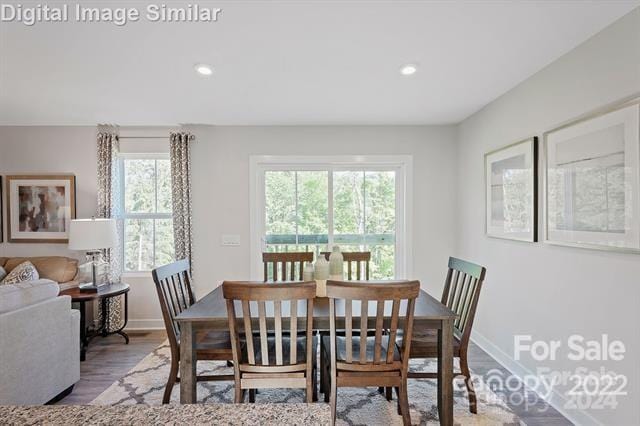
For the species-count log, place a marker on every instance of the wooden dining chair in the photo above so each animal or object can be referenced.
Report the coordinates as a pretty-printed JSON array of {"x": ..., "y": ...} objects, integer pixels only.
[
  {"x": 283, "y": 266},
  {"x": 277, "y": 359},
  {"x": 173, "y": 284},
  {"x": 358, "y": 264},
  {"x": 461, "y": 292},
  {"x": 363, "y": 360}
]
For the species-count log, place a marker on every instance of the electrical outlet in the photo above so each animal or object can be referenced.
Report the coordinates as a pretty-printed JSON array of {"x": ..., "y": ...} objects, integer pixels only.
[{"x": 231, "y": 240}]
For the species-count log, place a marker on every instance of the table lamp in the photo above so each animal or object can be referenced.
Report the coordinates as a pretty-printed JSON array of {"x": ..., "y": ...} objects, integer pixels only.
[{"x": 92, "y": 235}]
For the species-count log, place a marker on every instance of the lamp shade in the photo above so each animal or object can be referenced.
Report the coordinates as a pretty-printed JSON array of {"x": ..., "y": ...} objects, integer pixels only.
[{"x": 92, "y": 234}]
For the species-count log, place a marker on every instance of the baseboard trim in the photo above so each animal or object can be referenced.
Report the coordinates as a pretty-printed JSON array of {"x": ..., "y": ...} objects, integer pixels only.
[
  {"x": 557, "y": 400},
  {"x": 144, "y": 324}
]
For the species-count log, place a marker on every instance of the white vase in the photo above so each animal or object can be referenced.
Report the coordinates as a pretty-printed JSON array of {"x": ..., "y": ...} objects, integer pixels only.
[
  {"x": 307, "y": 272},
  {"x": 336, "y": 264},
  {"x": 321, "y": 268}
]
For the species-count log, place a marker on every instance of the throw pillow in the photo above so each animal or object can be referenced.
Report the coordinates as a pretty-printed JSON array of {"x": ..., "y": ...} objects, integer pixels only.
[
  {"x": 22, "y": 273},
  {"x": 3, "y": 273}
]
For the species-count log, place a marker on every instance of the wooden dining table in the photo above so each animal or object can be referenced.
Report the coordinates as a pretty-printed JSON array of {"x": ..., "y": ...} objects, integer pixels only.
[{"x": 210, "y": 313}]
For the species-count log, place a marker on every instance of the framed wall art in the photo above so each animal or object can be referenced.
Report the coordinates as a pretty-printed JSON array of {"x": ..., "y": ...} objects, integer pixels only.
[
  {"x": 511, "y": 191},
  {"x": 592, "y": 180},
  {"x": 1, "y": 213},
  {"x": 40, "y": 208}
]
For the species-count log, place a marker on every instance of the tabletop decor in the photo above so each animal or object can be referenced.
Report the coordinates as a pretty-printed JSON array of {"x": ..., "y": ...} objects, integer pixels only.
[
  {"x": 511, "y": 191},
  {"x": 40, "y": 208},
  {"x": 592, "y": 189},
  {"x": 321, "y": 275},
  {"x": 308, "y": 271},
  {"x": 336, "y": 264}
]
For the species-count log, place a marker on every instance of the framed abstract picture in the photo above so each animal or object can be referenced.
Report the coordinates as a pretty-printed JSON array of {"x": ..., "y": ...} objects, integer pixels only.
[
  {"x": 1, "y": 213},
  {"x": 40, "y": 208},
  {"x": 511, "y": 191},
  {"x": 592, "y": 180}
]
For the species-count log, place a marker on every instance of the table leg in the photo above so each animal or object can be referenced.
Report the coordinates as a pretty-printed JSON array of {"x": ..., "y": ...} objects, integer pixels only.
[
  {"x": 105, "y": 317},
  {"x": 445, "y": 373},
  {"x": 84, "y": 341},
  {"x": 120, "y": 331},
  {"x": 187, "y": 364}
]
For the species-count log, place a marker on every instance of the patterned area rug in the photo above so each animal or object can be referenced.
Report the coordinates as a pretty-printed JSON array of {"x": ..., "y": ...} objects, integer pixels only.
[{"x": 144, "y": 384}]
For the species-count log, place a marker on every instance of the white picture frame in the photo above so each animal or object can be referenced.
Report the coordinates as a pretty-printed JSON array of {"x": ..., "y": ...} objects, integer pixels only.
[
  {"x": 511, "y": 191},
  {"x": 592, "y": 180}
]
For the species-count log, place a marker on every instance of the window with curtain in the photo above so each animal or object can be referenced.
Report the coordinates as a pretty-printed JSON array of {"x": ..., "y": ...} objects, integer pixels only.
[{"x": 146, "y": 207}]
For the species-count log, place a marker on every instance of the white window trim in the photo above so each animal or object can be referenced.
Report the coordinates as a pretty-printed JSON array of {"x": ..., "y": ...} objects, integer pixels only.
[
  {"x": 121, "y": 159},
  {"x": 402, "y": 164}
]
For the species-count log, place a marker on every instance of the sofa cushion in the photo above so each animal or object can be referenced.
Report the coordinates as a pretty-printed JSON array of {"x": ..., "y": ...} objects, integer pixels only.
[
  {"x": 3, "y": 273},
  {"x": 16, "y": 296},
  {"x": 22, "y": 273},
  {"x": 57, "y": 268}
]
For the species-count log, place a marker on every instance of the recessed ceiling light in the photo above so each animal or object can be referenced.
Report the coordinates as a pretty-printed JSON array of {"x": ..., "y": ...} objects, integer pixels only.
[
  {"x": 203, "y": 69},
  {"x": 408, "y": 69}
]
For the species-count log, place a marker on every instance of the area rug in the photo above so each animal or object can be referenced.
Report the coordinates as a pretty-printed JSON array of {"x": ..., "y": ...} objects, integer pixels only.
[{"x": 144, "y": 384}]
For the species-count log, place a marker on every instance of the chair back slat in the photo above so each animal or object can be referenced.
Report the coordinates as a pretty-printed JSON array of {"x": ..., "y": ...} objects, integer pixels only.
[
  {"x": 348, "y": 327},
  {"x": 248, "y": 330},
  {"x": 466, "y": 304},
  {"x": 285, "y": 266},
  {"x": 393, "y": 328},
  {"x": 173, "y": 286},
  {"x": 377, "y": 351},
  {"x": 461, "y": 292},
  {"x": 264, "y": 346},
  {"x": 271, "y": 300},
  {"x": 277, "y": 305},
  {"x": 364, "y": 320},
  {"x": 358, "y": 263},
  {"x": 379, "y": 292},
  {"x": 293, "y": 331}
]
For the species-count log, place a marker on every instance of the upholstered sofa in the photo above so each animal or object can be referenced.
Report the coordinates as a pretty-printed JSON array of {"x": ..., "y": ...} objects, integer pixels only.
[
  {"x": 63, "y": 270},
  {"x": 39, "y": 334}
]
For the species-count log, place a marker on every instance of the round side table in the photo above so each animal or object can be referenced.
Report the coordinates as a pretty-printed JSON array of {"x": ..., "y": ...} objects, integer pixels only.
[{"x": 104, "y": 293}]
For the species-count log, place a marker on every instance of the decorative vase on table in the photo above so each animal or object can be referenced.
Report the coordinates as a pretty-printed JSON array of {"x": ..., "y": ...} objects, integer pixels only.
[
  {"x": 336, "y": 264},
  {"x": 321, "y": 274},
  {"x": 307, "y": 272}
]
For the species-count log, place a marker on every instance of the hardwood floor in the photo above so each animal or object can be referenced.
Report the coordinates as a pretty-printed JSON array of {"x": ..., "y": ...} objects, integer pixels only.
[{"x": 109, "y": 358}]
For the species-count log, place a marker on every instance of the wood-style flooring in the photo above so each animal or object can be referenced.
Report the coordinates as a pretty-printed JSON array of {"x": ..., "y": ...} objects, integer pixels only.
[{"x": 109, "y": 358}]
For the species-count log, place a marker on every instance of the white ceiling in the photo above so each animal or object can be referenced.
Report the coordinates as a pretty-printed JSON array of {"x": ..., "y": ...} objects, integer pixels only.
[{"x": 289, "y": 63}]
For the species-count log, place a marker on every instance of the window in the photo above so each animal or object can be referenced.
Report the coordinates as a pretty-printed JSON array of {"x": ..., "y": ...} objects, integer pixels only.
[
  {"x": 146, "y": 207},
  {"x": 311, "y": 204}
]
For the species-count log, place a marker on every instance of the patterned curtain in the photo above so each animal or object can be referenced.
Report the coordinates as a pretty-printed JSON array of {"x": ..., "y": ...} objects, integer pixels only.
[
  {"x": 109, "y": 207},
  {"x": 180, "y": 153}
]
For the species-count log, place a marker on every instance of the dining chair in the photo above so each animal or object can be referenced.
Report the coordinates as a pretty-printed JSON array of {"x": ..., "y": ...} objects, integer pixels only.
[
  {"x": 173, "y": 284},
  {"x": 284, "y": 265},
  {"x": 358, "y": 264},
  {"x": 276, "y": 359},
  {"x": 461, "y": 292},
  {"x": 363, "y": 360}
]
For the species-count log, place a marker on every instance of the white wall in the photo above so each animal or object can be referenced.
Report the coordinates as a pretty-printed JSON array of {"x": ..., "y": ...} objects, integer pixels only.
[
  {"x": 221, "y": 189},
  {"x": 50, "y": 150},
  {"x": 548, "y": 291},
  {"x": 66, "y": 149}
]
